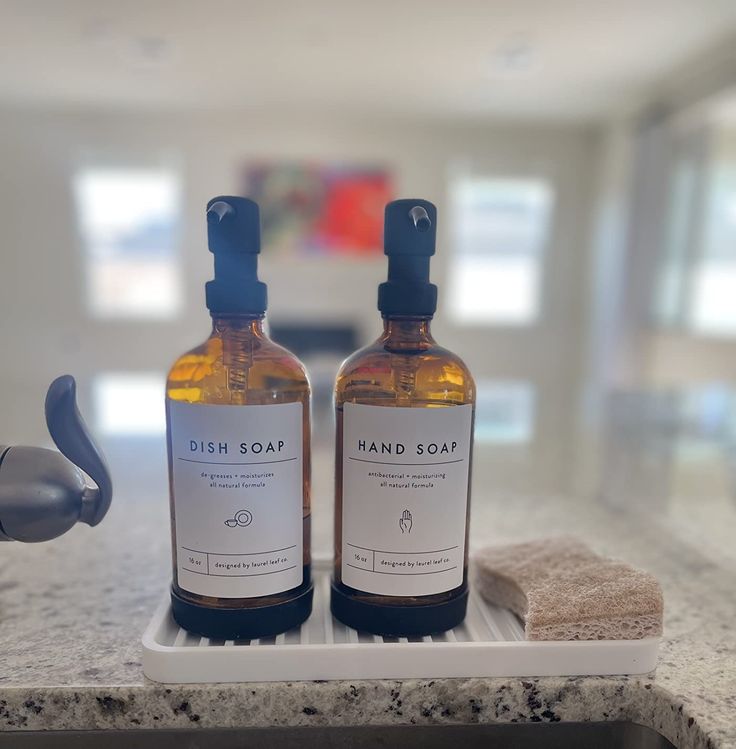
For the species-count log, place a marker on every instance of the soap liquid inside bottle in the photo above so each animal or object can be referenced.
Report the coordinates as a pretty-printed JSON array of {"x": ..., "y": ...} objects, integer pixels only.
[{"x": 239, "y": 365}]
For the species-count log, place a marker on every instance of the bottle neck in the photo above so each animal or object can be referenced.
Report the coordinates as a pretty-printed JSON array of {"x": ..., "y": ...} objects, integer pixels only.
[
  {"x": 238, "y": 325},
  {"x": 402, "y": 332}
]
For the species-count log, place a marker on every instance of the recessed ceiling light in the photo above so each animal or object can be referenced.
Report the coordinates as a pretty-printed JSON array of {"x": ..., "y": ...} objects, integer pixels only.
[
  {"x": 514, "y": 56},
  {"x": 138, "y": 50},
  {"x": 99, "y": 32},
  {"x": 150, "y": 50}
]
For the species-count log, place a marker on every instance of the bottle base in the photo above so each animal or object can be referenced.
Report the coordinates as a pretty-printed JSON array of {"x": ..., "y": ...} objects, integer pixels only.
[
  {"x": 398, "y": 621},
  {"x": 242, "y": 624}
]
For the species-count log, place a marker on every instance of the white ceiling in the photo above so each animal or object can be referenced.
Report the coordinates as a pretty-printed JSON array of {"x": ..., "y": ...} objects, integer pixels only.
[{"x": 554, "y": 59}]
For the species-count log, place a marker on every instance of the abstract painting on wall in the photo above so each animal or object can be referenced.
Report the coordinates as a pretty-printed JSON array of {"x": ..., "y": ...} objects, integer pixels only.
[{"x": 333, "y": 209}]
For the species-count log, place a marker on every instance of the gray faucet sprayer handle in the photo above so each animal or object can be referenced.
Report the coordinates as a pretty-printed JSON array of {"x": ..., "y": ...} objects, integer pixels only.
[
  {"x": 43, "y": 494},
  {"x": 70, "y": 434}
]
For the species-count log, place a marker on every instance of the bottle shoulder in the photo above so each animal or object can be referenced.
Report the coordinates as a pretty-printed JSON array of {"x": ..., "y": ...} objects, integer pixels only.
[
  {"x": 433, "y": 373},
  {"x": 193, "y": 364},
  {"x": 271, "y": 352},
  {"x": 376, "y": 354},
  {"x": 254, "y": 369},
  {"x": 200, "y": 359}
]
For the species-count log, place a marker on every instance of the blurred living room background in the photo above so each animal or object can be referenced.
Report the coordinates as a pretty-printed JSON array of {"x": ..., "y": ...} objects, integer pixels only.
[{"x": 582, "y": 156}]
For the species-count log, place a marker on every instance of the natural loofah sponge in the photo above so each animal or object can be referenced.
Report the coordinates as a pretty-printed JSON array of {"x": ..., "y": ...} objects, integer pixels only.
[{"x": 564, "y": 591}]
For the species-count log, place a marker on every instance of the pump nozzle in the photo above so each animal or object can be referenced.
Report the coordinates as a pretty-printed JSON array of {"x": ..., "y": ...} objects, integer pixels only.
[
  {"x": 410, "y": 229},
  {"x": 420, "y": 218},
  {"x": 234, "y": 236},
  {"x": 218, "y": 211}
]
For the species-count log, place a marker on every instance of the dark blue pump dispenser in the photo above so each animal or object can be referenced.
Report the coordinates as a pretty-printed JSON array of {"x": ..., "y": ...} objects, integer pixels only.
[
  {"x": 234, "y": 238},
  {"x": 409, "y": 236}
]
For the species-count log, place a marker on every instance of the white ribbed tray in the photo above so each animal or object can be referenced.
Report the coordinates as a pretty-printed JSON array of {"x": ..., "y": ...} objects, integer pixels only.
[{"x": 490, "y": 642}]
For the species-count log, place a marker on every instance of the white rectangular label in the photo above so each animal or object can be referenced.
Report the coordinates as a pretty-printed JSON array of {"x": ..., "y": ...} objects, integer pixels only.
[
  {"x": 237, "y": 484},
  {"x": 405, "y": 494}
]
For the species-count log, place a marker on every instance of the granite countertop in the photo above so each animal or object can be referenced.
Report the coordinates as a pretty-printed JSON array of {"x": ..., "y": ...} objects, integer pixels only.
[{"x": 72, "y": 613}]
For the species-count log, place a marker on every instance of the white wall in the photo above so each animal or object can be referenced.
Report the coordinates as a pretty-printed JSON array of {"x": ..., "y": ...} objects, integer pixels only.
[
  {"x": 629, "y": 353},
  {"x": 44, "y": 327},
  {"x": 603, "y": 338},
  {"x": 677, "y": 356}
]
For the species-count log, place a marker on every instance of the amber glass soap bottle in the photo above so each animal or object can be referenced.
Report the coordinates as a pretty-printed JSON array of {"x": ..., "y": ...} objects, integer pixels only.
[
  {"x": 238, "y": 437},
  {"x": 405, "y": 410}
]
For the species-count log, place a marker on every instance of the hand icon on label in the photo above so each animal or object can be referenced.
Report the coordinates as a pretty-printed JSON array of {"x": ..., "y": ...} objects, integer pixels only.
[{"x": 405, "y": 522}]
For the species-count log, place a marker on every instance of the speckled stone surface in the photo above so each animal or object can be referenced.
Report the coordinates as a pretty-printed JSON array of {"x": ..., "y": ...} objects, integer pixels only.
[{"x": 72, "y": 612}]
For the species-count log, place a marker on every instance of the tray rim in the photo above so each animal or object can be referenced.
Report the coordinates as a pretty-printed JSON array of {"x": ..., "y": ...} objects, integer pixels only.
[{"x": 294, "y": 661}]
